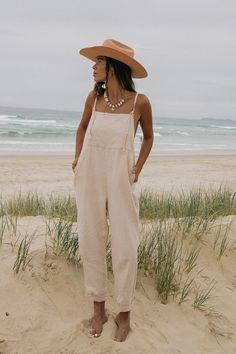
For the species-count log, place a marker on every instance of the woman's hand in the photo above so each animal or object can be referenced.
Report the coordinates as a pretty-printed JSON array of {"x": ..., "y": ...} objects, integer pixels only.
[
  {"x": 74, "y": 163},
  {"x": 136, "y": 171}
]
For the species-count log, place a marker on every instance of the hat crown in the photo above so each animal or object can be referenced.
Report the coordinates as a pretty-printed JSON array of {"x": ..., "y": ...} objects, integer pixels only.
[{"x": 121, "y": 47}]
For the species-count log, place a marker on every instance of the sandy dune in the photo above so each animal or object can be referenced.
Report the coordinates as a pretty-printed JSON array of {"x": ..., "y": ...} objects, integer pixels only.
[{"x": 44, "y": 309}]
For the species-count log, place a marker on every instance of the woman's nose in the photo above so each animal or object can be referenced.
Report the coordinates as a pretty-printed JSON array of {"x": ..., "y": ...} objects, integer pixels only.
[{"x": 94, "y": 66}]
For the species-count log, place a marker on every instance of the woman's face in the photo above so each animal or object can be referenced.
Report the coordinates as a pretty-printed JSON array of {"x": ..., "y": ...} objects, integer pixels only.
[{"x": 99, "y": 69}]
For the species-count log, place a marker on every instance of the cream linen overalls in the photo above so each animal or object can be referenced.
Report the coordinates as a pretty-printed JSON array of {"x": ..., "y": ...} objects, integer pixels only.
[{"x": 104, "y": 186}]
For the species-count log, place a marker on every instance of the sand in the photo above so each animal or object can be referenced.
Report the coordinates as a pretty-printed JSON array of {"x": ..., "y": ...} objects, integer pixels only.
[
  {"x": 43, "y": 310},
  {"x": 53, "y": 174}
]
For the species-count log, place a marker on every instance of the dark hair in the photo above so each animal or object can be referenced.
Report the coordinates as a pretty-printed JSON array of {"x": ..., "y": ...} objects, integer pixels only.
[{"x": 123, "y": 74}]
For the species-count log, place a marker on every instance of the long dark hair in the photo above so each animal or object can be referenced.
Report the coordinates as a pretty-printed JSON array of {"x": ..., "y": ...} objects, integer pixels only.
[{"x": 123, "y": 74}]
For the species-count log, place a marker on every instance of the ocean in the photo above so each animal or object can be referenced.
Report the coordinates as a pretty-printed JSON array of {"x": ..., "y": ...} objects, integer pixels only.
[{"x": 39, "y": 131}]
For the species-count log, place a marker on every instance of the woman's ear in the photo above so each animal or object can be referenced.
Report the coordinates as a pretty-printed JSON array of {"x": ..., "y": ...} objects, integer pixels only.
[{"x": 111, "y": 70}]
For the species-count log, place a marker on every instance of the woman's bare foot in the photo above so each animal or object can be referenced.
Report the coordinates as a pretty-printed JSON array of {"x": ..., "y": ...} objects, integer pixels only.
[
  {"x": 122, "y": 321},
  {"x": 98, "y": 319}
]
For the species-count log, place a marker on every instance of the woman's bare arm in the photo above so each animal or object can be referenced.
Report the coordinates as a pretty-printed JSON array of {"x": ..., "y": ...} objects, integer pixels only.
[
  {"x": 81, "y": 130},
  {"x": 147, "y": 128},
  {"x": 84, "y": 123}
]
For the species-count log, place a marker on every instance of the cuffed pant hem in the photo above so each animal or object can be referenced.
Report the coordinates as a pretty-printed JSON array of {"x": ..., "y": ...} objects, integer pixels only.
[
  {"x": 97, "y": 298},
  {"x": 124, "y": 308}
]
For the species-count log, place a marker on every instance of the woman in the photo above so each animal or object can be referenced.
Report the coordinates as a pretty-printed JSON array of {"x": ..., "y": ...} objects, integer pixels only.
[{"x": 106, "y": 177}]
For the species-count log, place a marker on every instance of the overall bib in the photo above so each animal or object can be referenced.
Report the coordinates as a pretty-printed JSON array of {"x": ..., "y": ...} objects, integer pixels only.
[{"x": 104, "y": 187}]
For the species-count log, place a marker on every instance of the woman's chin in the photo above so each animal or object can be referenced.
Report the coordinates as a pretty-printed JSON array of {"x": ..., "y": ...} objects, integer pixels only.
[{"x": 98, "y": 81}]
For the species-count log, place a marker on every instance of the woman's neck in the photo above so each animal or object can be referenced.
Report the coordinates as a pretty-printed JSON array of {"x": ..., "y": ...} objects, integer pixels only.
[{"x": 115, "y": 91}]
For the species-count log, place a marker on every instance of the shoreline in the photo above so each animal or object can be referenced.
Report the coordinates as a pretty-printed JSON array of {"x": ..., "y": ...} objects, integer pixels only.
[
  {"x": 41, "y": 155},
  {"x": 152, "y": 154}
]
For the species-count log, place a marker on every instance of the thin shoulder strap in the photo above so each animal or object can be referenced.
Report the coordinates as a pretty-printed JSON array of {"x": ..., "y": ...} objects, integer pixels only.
[
  {"x": 92, "y": 116},
  {"x": 135, "y": 99},
  {"x": 94, "y": 105}
]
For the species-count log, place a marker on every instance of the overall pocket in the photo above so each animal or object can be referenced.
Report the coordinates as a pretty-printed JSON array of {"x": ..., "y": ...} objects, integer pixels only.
[{"x": 130, "y": 165}]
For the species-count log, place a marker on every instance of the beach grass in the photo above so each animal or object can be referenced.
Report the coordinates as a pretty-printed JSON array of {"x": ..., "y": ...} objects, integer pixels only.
[
  {"x": 171, "y": 259},
  {"x": 167, "y": 262},
  {"x": 221, "y": 242},
  {"x": 9, "y": 224},
  {"x": 23, "y": 258},
  {"x": 63, "y": 240},
  {"x": 202, "y": 296},
  {"x": 207, "y": 204},
  {"x": 3, "y": 225},
  {"x": 109, "y": 256},
  {"x": 32, "y": 204}
]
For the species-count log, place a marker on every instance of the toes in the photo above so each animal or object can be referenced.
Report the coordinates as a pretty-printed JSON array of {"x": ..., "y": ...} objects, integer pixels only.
[
  {"x": 96, "y": 329},
  {"x": 96, "y": 335},
  {"x": 121, "y": 333},
  {"x": 96, "y": 326}
]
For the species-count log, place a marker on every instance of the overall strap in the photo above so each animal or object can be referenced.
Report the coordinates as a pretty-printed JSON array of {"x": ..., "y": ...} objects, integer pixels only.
[
  {"x": 92, "y": 117},
  {"x": 95, "y": 101},
  {"x": 135, "y": 99}
]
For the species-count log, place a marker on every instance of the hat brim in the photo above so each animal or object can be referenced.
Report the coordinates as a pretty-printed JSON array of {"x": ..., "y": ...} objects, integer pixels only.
[{"x": 138, "y": 70}]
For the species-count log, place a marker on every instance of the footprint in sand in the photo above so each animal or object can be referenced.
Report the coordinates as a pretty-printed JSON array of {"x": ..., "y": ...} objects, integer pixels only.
[{"x": 149, "y": 325}]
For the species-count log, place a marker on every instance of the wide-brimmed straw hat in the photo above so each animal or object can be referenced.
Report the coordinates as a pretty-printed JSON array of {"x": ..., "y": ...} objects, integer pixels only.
[{"x": 116, "y": 50}]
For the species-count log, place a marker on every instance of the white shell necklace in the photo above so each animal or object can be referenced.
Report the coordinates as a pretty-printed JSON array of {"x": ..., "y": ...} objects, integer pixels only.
[{"x": 113, "y": 106}]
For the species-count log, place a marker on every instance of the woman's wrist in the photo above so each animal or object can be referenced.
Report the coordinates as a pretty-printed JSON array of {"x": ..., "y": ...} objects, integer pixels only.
[{"x": 138, "y": 168}]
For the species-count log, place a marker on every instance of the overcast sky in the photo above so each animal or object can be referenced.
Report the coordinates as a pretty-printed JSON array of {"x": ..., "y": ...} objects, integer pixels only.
[{"x": 187, "y": 46}]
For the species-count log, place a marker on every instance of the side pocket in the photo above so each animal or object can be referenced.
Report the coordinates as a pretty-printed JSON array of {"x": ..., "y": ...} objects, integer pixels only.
[{"x": 130, "y": 164}]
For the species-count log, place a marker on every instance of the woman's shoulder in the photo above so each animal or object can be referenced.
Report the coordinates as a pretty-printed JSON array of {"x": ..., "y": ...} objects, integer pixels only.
[
  {"x": 144, "y": 107},
  {"x": 90, "y": 98},
  {"x": 142, "y": 100}
]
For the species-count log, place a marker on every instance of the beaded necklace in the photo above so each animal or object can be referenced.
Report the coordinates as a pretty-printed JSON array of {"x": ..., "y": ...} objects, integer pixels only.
[{"x": 113, "y": 106}]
